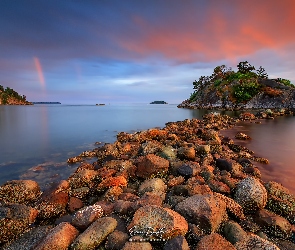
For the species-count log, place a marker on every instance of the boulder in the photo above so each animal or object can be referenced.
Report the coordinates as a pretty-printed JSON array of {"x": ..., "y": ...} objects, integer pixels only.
[
  {"x": 251, "y": 195},
  {"x": 155, "y": 185},
  {"x": 19, "y": 191},
  {"x": 151, "y": 165},
  {"x": 186, "y": 153},
  {"x": 255, "y": 242},
  {"x": 137, "y": 245},
  {"x": 157, "y": 223},
  {"x": 189, "y": 169},
  {"x": 95, "y": 234},
  {"x": 214, "y": 241},
  {"x": 151, "y": 147},
  {"x": 14, "y": 220},
  {"x": 207, "y": 211},
  {"x": 116, "y": 240},
  {"x": 177, "y": 243},
  {"x": 82, "y": 178},
  {"x": 233, "y": 232},
  {"x": 59, "y": 237},
  {"x": 85, "y": 216},
  {"x": 29, "y": 239},
  {"x": 273, "y": 224}
]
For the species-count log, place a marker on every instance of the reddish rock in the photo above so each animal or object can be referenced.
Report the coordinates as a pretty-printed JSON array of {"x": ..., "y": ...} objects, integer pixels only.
[
  {"x": 151, "y": 164},
  {"x": 117, "y": 181},
  {"x": 113, "y": 193},
  {"x": 175, "y": 181},
  {"x": 19, "y": 191},
  {"x": 154, "y": 222},
  {"x": 187, "y": 153},
  {"x": 124, "y": 207},
  {"x": 82, "y": 178},
  {"x": 74, "y": 204},
  {"x": 198, "y": 189},
  {"x": 273, "y": 224},
  {"x": 150, "y": 198},
  {"x": 107, "y": 206},
  {"x": 116, "y": 240},
  {"x": 218, "y": 186},
  {"x": 255, "y": 242},
  {"x": 206, "y": 211},
  {"x": 85, "y": 216},
  {"x": 128, "y": 197},
  {"x": 59, "y": 237},
  {"x": 137, "y": 245},
  {"x": 14, "y": 220},
  {"x": 53, "y": 205},
  {"x": 214, "y": 241}
]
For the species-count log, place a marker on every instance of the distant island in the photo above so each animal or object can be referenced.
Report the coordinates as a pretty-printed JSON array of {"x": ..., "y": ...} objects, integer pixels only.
[
  {"x": 158, "y": 102},
  {"x": 10, "y": 97},
  {"x": 46, "y": 102},
  {"x": 247, "y": 88},
  {"x": 100, "y": 104}
]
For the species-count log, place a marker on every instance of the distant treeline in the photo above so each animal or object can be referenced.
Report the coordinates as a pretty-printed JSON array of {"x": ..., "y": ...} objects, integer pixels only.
[{"x": 9, "y": 93}]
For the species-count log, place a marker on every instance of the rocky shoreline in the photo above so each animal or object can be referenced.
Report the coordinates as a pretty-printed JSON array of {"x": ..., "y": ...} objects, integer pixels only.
[{"x": 181, "y": 187}]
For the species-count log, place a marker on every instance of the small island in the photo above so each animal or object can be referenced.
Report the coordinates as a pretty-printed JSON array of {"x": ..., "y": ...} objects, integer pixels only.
[
  {"x": 46, "y": 102},
  {"x": 10, "y": 97},
  {"x": 158, "y": 102},
  {"x": 245, "y": 89}
]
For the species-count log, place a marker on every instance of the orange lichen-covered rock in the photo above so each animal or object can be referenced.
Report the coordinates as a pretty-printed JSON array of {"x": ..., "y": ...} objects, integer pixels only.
[
  {"x": 151, "y": 164},
  {"x": 117, "y": 181}
]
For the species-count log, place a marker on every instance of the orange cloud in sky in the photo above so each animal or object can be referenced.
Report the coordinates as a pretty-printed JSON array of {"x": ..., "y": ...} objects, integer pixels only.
[
  {"x": 223, "y": 30},
  {"x": 39, "y": 71}
]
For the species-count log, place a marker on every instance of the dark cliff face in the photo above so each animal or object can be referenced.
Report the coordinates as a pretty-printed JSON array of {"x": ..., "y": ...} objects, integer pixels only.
[{"x": 271, "y": 95}]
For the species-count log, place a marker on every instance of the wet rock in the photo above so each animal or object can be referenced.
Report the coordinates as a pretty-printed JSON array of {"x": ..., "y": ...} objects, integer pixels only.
[
  {"x": 74, "y": 204},
  {"x": 280, "y": 201},
  {"x": 14, "y": 220},
  {"x": 52, "y": 205},
  {"x": 124, "y": 207},
  {"x": 117, "y": 181},
  {"x": 175, "y": 181},
  {"x": 255, "y": 242},
  {"x": 155, "y": 185},
  {"x": 116, "y": 240},
  {"x": 233, "y": 232},
  {"x": 251, "y": 195},
  {"x": 82, "y": 178},
  {"x": 85, "y": 216},
  {"x": 59, "y": 237},
  {"x": 151, "y": 147},
  {"x": 168, "y": 153},
  {"x": 206, "y": 211},
  {"x": 177, "y": 243},
  {"x": 137, "y": 245},
  {"x": 224, "y": 164},
  {"x": 214, "y": 241},
  {"x": 19, "y": 191},
  {"x": 242, "y": 136},
  {"x": 150, "y": 165},
  {"x": 157, "y": 223},
  {"x": 273, "y": 224},
  {"x": 187, "y": 153},
  {"x": 150, "y": 198},
  {"x": 29, "y": 239},
  {"x": 188, "y": 170},
  {"x": 198, "y": 189},
  {"x": 80, "y": 193},
  {"x": 232, "y": 207},
  {"x": 113, "y": 193},
  {"x": 95, "y": 234},
  {"x": 218, "y": 186}
]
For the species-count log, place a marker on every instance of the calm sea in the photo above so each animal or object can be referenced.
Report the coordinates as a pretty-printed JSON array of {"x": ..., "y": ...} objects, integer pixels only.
[{"x": 36, "y": 141}]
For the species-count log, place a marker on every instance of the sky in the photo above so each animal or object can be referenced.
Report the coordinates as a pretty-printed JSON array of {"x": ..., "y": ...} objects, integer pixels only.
[{"x": 137, "y": 51}]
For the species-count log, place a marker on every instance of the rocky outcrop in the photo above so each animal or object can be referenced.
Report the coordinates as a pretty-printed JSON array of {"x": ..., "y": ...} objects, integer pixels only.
[{"x": 181, "y": 187}]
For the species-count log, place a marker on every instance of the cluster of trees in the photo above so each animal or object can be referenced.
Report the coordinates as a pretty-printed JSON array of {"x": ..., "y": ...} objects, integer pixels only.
[
  {"x": 243, "y": 83},
  {"x": 7, "y": 93}
]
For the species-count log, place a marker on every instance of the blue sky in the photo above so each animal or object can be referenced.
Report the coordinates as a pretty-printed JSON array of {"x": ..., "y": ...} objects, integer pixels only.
[{"x": 107, "y": 51}]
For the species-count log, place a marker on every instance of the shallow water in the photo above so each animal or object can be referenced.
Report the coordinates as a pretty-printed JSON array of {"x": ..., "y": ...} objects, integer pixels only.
[{"x": 36, "y": 141}]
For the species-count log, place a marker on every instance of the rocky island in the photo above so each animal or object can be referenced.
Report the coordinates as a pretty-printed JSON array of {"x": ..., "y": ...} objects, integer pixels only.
[
  {"x": 10, "y": 97},
  {"x": 158, "y": 102},
  {"x": 245, "y": 89}
]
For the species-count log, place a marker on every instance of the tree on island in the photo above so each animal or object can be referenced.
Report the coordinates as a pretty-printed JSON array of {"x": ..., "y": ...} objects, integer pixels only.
[{"x": 8, "y": 95}]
